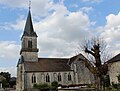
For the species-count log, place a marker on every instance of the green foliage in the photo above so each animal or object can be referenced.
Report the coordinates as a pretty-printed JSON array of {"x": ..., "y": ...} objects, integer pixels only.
[
  {"x": 106, "y": 81},
  {"x": 115, "y": 90},
  {"x": 7, "y": 77},
  {"x": 12, "y": 82},
  {"x": 25, "y": 90},
  {"x": 4, "y": 84},
  {"x": 42, "y": 86},
  {"x": 54, "y": 84},
  {"x": 46, "y": 86}
]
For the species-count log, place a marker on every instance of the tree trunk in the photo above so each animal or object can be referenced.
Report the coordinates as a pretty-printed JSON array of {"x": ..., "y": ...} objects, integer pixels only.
[{"x": 98, "y": 85}]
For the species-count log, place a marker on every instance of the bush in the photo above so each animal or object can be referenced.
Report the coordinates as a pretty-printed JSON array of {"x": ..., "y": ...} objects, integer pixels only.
[
  {"x": 46, "y": 86},
  {"x": 54, "y": 84},
  {"x": 42, "y": 86}
]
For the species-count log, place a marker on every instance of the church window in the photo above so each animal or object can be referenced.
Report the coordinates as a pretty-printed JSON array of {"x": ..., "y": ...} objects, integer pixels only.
[
  {"x": 59, "y": 77},
  {"x": 65, "y": 76},
  {"x": 33, "y": 78},
  {"x": 42, "y": 77},
  {"x": 55, "y": 76},
  {"x": 69, "y": 77},
  {"x": 47, "y": 78},
  {"x": 29, "y": 44}
]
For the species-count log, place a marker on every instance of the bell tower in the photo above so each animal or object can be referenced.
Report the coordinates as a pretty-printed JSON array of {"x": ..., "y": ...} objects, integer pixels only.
[{"x": 29, "y": 50}]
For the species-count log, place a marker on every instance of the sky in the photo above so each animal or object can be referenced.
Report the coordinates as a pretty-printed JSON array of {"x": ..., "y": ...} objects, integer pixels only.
[{"x": 61, "y": 25}]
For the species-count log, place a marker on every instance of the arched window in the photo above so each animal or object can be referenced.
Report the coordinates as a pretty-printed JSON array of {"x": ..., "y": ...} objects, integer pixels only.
[
  {"x": 59, "y": 77},
  {"x": 33, "y": 78},
  {"x": 69, "y": 77},
  {"x": 55, "y": 76},
  {"x": 47, "y": 78},
  {"x": 29, "y": 44},
  {"x": 42, "y": 77}
]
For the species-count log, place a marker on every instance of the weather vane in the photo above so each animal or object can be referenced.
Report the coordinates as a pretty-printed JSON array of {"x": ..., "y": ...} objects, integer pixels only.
[{"x": 29, "y": 4}]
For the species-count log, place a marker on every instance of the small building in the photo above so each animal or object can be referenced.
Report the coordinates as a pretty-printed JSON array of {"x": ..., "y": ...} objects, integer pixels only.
[
  {"x": 34, "y": 70},
  {"x": 114, "y": 68}
]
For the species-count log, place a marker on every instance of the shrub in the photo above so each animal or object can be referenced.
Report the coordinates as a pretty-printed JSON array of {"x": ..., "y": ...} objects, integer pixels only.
[
  {"x": 45, "y": 86},
  {"x": 42, "y": 86},
  {"x": 54, "y": 84}
]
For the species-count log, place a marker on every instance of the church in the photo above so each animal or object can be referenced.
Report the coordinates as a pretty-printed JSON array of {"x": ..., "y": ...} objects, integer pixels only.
[{"x": 34, "y": 70}]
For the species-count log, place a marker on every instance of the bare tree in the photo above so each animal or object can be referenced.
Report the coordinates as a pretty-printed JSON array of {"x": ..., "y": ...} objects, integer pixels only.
[{"x": 95, "y": 47}]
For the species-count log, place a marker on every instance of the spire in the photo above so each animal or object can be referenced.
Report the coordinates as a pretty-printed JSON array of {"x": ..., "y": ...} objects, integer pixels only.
[
  {"x": 29, "y": 30},
  {"x": 29, "y": 4}
]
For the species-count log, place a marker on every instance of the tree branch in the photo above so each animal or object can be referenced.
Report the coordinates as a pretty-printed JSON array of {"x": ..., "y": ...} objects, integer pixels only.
[{"x": 88, "y": 51}]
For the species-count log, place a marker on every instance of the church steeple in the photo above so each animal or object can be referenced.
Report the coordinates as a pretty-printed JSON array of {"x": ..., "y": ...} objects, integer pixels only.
[
  {"x": 29, "y": 49},
  {"x": 29, "y": 30}
]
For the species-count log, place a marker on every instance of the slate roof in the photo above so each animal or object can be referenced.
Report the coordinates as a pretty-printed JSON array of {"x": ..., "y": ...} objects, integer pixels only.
[
  {"x": 29, "y": 30},
  {"x": 114, "y": 59},
  {"x": 20, "y": 61},
  {"x": 48, "y": 65}
]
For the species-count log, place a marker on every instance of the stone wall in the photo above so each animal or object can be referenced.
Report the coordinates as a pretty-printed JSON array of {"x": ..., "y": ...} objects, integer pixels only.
[
  {"x": 82, "y": 73},
  {"x": 19, "y": 81},
  {"x": 114, "y": 71},
  {"x": 30, "y": 56},
  {"x": 41, "y": 78},
  {"x": 26, "y": 39}
]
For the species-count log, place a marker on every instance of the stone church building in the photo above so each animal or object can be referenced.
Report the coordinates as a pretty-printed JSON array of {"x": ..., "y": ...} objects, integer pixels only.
[
  {"x": 34, "y": 70},
  {"x": 114, "y": 69}
]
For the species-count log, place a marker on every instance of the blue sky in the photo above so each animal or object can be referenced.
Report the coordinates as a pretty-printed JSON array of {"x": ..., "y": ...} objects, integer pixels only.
[{"x": 60, "y": 24}]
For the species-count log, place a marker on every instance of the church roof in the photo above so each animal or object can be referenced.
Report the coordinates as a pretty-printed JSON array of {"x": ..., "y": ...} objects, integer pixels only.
[
  {"x": 20, "y": 61},
  {"x": 114, "y": 59},
  {"x": 29, "y": 30},
  {"x": 48, "y": 65}
]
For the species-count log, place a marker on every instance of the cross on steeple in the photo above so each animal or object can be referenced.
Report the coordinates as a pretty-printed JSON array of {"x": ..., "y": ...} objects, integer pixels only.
[{"x": 29, "y": 4}]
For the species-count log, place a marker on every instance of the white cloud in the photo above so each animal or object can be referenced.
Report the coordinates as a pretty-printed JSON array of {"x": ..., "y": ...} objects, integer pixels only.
[
  {"x": 60, "y": 32},
  {"x": 9, "y": 50},
  {"x": 16, "y": 3},
  {"x": 9, "y": 55},
  {"x": 74, "y": 6},
  {"x": 111, "y": 33},
  {"x": 39, "y": 7},
  {"x": 113, "y": 20},
  {"x": 112, "y": 28},
  {"x": 17, "y": 25},
  {"x": 93, "y": 1},
  {"x": 86, "y": 9}
]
